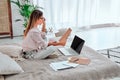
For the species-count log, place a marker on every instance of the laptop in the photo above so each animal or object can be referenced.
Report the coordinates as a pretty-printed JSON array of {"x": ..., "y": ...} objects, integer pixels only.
[{"x": 75, "y": 48}]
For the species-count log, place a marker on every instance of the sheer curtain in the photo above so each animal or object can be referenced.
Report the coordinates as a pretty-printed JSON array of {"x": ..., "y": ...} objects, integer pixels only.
[{"x": 79, "y": 13}]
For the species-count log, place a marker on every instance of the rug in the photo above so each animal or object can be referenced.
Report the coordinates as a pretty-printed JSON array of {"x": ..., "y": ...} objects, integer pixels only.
[{"x": 111, "y": 53}]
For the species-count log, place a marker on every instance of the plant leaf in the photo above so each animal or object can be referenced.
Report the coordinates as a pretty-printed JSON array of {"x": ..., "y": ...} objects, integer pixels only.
[
  {"x": 16, "y": 3},
  {"x": 25, "y": 10},
  {"x": 18, "y": 20}
]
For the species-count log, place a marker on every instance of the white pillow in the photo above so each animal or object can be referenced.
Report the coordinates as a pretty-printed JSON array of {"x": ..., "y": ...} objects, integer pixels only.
[
  {"x": 60, "y": 32},
  {"x": 8, "y": 65},
  {"x": 11, "y": 50}
]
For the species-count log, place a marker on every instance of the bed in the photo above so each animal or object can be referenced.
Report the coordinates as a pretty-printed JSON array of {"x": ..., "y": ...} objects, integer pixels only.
[{"x": 99, "y": 68}]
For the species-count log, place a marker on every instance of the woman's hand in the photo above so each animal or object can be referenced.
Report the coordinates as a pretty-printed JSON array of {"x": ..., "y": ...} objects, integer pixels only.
[
  {"x": 44, "y": 25},
  {"x": 55, "y": 43},
  {"x": 52, "y": 43}
]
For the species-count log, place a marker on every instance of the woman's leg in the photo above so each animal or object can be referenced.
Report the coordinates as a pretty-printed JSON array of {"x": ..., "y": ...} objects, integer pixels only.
[
  {"x": 63, "y": 39},
  {"x": 45, "y": 53}
]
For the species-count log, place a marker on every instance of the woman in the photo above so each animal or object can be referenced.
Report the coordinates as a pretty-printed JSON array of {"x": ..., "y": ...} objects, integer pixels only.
[{"x": 34, "y": 45}]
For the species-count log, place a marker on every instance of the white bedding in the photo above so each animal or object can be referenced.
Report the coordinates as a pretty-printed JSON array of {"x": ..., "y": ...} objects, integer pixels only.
[{"x": 98, "y": 69}]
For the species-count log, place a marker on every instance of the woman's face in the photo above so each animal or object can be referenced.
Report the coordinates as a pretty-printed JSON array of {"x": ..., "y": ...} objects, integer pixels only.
[{"x": 40, "y": 20}]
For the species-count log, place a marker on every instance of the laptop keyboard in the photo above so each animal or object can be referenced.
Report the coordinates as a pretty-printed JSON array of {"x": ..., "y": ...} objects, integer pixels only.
[
  {"x": 64, "y": 51},
  {"x": 71, "y": 51}
]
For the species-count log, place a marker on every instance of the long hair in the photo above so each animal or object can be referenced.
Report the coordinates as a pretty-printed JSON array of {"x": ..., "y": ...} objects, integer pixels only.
[{"x": 35, "y": 15}]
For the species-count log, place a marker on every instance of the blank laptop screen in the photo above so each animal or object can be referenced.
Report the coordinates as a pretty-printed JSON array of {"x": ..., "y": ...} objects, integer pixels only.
[{"x": 77, "y": 44}]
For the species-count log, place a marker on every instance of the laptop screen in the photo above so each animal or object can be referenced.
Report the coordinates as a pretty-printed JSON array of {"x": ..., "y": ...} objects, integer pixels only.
[{"x": 77, "y": 44}]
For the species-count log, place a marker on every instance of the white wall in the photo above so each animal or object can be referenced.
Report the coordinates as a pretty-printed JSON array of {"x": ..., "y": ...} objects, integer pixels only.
[{"x": 17, "y": 26}]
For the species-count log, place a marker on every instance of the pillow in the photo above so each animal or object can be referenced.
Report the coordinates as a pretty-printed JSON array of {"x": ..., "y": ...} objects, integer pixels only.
[
  {"x": 8, "y": 65},
  {"x": 11, "y": 50},
  {"x": 60, "y": 32}
]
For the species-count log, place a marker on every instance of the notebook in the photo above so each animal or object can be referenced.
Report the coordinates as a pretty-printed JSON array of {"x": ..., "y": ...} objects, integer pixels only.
[
  {"x": 62, "y": 65},
  {"x": 75, "y": 47}
]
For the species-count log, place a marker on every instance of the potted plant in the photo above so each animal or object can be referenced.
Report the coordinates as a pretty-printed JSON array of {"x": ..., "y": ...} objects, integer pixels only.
[{"x": 25, "y": 9}]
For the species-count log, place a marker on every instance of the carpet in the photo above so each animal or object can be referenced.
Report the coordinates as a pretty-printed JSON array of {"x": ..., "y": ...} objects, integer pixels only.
[{"x": 111, "y": 53}]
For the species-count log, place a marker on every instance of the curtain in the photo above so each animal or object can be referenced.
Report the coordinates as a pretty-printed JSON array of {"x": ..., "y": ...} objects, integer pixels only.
[{"x": 79, "y": 13}]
